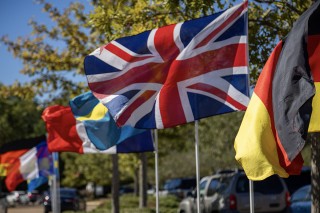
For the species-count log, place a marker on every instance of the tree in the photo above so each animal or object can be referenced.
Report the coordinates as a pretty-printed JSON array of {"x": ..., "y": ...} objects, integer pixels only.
[
  {"x": 81, "y": 169},
  {"x": 20, "y": 115}
]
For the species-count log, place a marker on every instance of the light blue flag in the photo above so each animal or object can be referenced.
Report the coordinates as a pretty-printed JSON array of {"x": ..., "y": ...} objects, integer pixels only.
[
  {"x": 35, "y": 183},
  {"x": 95, "y": 124}
]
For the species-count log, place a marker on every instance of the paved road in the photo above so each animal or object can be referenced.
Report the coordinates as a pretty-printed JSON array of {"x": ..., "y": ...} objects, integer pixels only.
[{"x": 39, "y": 208}]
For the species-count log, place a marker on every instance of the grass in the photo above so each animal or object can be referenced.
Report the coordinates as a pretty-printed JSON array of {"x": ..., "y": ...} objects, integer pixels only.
[{"x": 130, "y": 204}]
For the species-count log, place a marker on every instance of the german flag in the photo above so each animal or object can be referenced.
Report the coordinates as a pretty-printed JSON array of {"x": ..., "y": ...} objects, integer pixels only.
[
  {"x": 11, "y": 151},
  {"x": 314, "y": 62},
  {"x": 275, "y": 125}
]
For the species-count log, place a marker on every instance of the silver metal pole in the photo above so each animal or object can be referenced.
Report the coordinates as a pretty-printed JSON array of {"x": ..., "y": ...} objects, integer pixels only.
[
  {"x": 196, "y": 123},
  {"x": 156, "y": 168},
  {"x": 55, "y": 192},
  {"x": 251, "y": 189}
]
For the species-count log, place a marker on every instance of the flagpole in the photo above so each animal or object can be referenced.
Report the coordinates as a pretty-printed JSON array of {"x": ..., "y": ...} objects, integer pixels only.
[
  {"x": 251, "y": 189},
  {"x": 196, "y": 123},
  {"x": 55, "y": 192},
  {"x": 156, "y": 168}
]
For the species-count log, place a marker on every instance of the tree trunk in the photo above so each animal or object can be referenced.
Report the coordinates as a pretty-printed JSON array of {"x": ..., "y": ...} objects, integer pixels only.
[
  {"x": 315, "y": 169},
  {"x": 136, "y": 182},
  {"x": 115, "y": 184},
  {"x": 143, "y": 181}
]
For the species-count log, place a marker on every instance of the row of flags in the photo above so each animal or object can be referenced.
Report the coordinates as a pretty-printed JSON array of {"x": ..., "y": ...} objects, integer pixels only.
[
  {"x": 87, "y": 127},
  {"x": 83, "y": 127},
  {"x": 157, "y": 79},
  {"x": 184, "y": 72}
]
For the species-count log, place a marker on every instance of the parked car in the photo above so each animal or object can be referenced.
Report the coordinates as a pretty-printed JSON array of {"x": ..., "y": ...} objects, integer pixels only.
[
  {"x": 34, "y": 196},
  {"x": 295, "y": 182},
  {"x": 229, "y": 193},
  {"x": 17, "y": 197},
  {"x": 126, "y": 189},
  {"x": 3, "y": 203},
  {"x": 179, "y": 187},
  {"x": 301, "y": 200},
  {"x": 70, "y": 199}
]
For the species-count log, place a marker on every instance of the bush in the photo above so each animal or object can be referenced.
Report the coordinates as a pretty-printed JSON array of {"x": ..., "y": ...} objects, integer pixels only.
[{"x": 130, "y": 204}]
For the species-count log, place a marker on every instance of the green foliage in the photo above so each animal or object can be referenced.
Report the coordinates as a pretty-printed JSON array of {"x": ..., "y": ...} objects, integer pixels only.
[
  {"x": 116, "y": 19},
  {"x": 269, "y": 22},
  {"x": 81, "y": 169},
  {"x": 130, "y": 204},
  {"x": 20, "y": 116}
]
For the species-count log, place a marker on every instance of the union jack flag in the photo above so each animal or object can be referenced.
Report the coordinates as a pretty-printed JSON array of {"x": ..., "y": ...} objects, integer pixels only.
[{"x": 174, "y": 74}]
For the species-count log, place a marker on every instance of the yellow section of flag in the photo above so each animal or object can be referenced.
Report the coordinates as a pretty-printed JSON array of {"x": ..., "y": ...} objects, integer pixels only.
[
  {"x": 98, "y": 112},
  {"x": 314, "y": 125},
  {"x": 257, "y": 151},
  {"x": 3, "y": 169}
]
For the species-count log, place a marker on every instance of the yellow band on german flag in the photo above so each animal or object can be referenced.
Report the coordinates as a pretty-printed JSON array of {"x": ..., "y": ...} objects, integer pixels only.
[
  {"x": 259, "y": 146},
  {"x": 314, "y": 62},
  {"x": 314, "y": 125}
]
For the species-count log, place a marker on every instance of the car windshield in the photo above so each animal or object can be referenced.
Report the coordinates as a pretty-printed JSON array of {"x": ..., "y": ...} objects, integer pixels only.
[
  {"x": 218, "y": 185},
  {"x": 270, "y": 185},
  {"x": 180, "y": 184},
  {"x": 302, "y": 194},
  {"x": 67, "y": 193},
  {"x": 172, "y": 184}
]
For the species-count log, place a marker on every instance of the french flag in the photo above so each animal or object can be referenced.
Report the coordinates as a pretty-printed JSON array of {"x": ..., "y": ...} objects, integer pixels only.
[{"x": 35, "y": 163}]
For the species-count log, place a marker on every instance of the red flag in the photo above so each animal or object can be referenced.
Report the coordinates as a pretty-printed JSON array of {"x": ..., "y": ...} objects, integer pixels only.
[{"x": 61, "y": 128}]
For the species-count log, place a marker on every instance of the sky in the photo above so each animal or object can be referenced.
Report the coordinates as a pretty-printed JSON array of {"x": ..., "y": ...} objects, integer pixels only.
[{"x": 14, "y": 18}]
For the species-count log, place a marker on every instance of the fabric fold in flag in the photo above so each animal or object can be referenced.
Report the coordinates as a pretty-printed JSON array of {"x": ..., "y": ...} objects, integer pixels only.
[
  {"x": 275, "y": 125},
  {"x": 94, "y": 123},
  {"x": 9, "y": 152},
  {"x": 314, "y": 62},
  {"x": 174, "y": 74},
  {"x": 35, "y": 183},
  {"x": 87, "y": 127},
  {"x": 33, "y": 164}
]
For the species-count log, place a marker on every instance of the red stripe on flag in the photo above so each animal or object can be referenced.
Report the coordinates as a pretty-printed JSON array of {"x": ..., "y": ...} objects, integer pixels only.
[
  {"x": 61, "y": 128},
  {"x": 168, "y": 115},
  {"x": 14, "y": 177},
  {"x": 233, "y": 55},
  {"x": 226, "y": 57},
  {"x": 123, "y": 118},
  {"x": 314, "y": 53},
  {"x": 169, "y": 51},
  {"x": 123, "y": 54},
  {"x": 225, "y": 24},
  {"x": 148, "y": 73},
  {"x": 165, "y": 44},
  {"x": 263, "y": 90},
  {"x": 219, "y": 93}
]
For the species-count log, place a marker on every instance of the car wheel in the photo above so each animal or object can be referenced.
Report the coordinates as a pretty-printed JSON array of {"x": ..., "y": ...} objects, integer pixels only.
[{"x": 83, "y": 207}]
